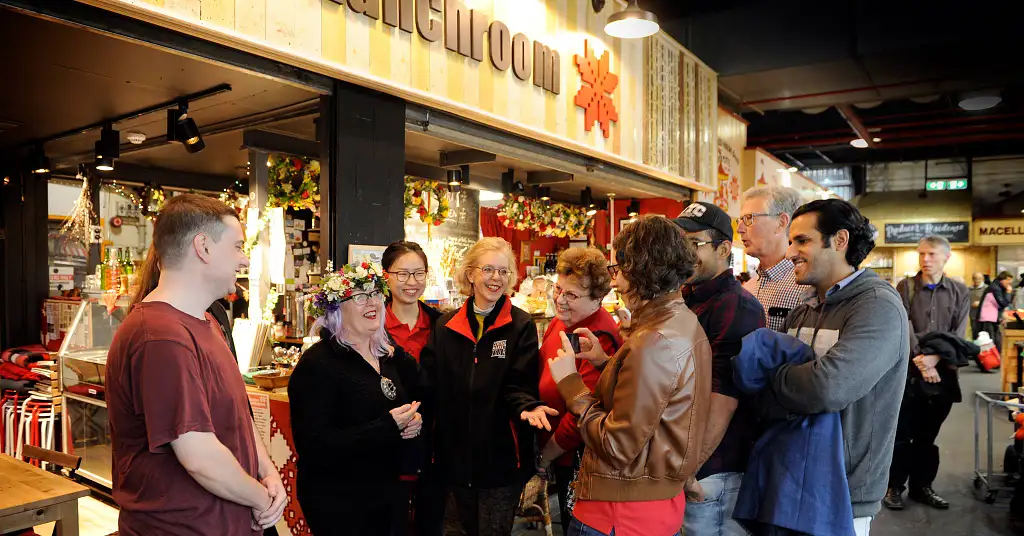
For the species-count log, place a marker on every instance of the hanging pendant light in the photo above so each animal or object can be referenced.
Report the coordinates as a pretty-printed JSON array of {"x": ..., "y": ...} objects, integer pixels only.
[{"x": 632, "y": 23}]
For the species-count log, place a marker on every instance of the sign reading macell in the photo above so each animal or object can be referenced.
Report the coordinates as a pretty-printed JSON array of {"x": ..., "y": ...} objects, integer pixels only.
[
  {"x": 463, "y": 30},
  {"x": 1004, "y": 230}
]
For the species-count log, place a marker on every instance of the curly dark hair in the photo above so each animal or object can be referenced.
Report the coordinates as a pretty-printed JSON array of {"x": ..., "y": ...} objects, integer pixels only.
[
  {"x": 834, "y": 215},
  {"x": 654, "y": 257}
]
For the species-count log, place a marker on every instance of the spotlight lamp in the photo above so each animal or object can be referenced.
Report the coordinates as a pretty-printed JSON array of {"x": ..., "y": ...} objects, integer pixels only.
[
  {"x": 182, "y": 128},
  {"x": 108, "y": 148},
  {"x": 453, "y": 178},
  {"x": 634, "y": 208},
  {"x": 38, "y": 162},
  {"x": 587, "y": 201},
  {"x": 544, "y": 193}
]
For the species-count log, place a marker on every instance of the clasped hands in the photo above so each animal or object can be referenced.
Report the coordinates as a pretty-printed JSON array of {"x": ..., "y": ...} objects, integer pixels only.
[
  {"x": 926, "y": 364},
  {"x": 278, "y": 498},
  {"x": 408, "y": 419}
]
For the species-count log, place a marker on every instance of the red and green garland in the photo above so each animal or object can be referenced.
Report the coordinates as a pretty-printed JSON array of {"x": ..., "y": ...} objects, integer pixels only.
[
  {"x": 428, "y": 199},
  {"x": 555, "y": 220},
  {"x": 294, "y": 182}
]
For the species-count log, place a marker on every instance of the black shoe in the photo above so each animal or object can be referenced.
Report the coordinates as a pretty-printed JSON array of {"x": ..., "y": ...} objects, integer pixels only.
[
  {"x": 926, "y": 495},
  {"x": 893, "y": 499}
]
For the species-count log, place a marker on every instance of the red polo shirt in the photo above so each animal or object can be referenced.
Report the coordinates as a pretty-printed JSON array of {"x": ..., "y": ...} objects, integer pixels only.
[{"x": 411, "y": 340}]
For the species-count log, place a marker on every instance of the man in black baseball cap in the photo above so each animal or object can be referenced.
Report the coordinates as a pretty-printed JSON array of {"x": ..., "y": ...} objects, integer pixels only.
[{"x": 727, "y": 313}]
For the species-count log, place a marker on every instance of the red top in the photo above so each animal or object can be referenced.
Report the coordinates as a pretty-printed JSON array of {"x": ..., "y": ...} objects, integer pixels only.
[
  {"x": 170, "y": 373},
  {"x": 411, "y": 340},
  {"x": 638, "y": 518},
  {"x": 564, "y": 426}
]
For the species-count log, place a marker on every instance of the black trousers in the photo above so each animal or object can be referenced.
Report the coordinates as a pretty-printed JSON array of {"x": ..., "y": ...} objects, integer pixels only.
[
  {"x": 915, "y": 456},
  {"x": 420, "y": 508},
  {"x": 487, "y": 512},
  {"x": 563, "y": 477}
]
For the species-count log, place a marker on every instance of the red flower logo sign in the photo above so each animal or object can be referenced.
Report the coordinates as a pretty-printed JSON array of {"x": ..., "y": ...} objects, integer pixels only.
[{"x": 595, "y": 94}]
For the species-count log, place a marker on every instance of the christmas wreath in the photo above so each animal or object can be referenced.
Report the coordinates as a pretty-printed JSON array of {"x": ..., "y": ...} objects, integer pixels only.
[
  {"x": 524, "y": 213},
  {"x": 152, "y": 199},
  {"x": 428, "y": 199},
  {"x": 294, "y": 182}
]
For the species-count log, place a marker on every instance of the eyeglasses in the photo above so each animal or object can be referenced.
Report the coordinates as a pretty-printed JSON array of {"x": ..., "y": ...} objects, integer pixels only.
[
  {"x": 361, "y": 298},
  {"x": 613, "y": 270},
  {"x": 570, "y": 297},
  {"x": 698, "y": 243},
  {"x": 490, "y": 271},
  {"x": 403, "y": 276},
  {"x": 748, "y": 219}
]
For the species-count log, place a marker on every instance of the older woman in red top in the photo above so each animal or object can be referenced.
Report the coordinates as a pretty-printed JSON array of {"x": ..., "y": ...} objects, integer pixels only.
[
  {"x": 409, "y": 322},
  {"x": 583, "y": 281}
]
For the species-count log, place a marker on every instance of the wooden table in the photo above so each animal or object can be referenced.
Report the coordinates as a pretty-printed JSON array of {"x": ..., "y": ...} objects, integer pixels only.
[{"x": 30, "y": 496}]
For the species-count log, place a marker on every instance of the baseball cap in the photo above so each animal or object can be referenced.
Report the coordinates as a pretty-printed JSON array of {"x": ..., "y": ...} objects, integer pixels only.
[{"x": 701, "y": 216}]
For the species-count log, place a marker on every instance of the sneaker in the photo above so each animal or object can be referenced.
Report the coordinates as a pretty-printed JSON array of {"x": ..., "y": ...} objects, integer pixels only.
[
  {"x": 926, "y": 495},
  {"x": 893, "y": 500}
]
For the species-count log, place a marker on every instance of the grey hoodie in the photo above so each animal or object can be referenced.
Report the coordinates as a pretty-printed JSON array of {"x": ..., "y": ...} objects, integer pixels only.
[{"x": 861, "y": 337}]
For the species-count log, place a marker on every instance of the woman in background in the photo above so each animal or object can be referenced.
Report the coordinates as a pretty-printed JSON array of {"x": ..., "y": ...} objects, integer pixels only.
[
  {"x": 994, "y": 302},
  {"x": 409, "y": 322},
  {"x": 583, "y": 281},
  {"x": 352, "y": 409}
]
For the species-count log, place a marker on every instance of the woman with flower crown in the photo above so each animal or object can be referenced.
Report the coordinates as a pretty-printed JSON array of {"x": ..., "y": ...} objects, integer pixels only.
[
  {"x": 353, "y": 409},
  {"x": 481, "y": 363}
]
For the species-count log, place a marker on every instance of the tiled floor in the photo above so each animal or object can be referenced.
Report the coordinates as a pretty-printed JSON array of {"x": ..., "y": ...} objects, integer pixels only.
[{"x": 968, "y": 515}]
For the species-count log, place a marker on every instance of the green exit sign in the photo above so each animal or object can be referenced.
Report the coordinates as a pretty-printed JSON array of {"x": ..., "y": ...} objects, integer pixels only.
[{"x": 935, "y": 185}]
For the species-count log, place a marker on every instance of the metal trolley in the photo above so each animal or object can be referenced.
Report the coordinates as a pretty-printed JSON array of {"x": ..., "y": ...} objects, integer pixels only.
[{"x": 989, "y": 482}]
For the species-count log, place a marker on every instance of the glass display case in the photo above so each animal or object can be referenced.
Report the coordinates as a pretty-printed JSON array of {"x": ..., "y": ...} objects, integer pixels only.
[{"x": 83, "y": 360}]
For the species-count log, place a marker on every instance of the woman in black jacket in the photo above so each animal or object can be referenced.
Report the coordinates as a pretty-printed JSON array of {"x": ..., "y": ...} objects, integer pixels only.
[
  {"x": 994, "y": 301},
  {"x": 353, "y": 410},
  {"x": 482, "y": 364}
]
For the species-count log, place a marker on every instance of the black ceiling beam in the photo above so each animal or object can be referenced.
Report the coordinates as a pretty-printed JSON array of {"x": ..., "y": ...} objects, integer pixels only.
[
  {"x": 547, "y": 177},
  {"x": 191, "y": 97},
  {"x": 452, "y": 159},
  {"x": 273, "y": 142},
  {"x": 424, "y": 171},
  {"x": 167, "y": 177}
]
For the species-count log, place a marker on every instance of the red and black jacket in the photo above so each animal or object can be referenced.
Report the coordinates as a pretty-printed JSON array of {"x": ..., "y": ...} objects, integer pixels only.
[{"x": 480, "y": 388}]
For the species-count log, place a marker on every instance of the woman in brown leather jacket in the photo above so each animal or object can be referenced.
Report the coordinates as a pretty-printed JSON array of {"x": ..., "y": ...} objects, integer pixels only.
[{"x": 643, "y": 426}]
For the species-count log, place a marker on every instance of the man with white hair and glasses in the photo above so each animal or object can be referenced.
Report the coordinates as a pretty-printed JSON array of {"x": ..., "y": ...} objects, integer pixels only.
[{"x": 763, "y": 227}]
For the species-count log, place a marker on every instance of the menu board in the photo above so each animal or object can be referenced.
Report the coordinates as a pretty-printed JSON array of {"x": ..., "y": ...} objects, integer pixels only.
[{"x": 912, "y": 233}]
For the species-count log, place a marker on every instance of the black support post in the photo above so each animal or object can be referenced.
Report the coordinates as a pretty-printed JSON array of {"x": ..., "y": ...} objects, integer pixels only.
[
  {"x": 23, "y": 252},
  {"x": 361, "y": 196}
]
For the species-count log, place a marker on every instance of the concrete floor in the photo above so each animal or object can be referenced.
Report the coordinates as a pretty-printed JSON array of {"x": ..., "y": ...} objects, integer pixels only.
[{"x": 968, "y": 515}]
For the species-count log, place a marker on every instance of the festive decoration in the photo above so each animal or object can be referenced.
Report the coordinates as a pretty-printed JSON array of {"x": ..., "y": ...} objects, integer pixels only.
[
  {"x": 595, "y": 94},
  {"x": 428, "y": 199},
  {"x": 152, "y": 199},
  {"x": 268, "y": 308},
  {"x": 261, "y": 224},
  {"x": 336, "y": 286},
  {"x": 126, "y": 193},
  {"x": 294, "y": 182},
  {"x": 557, "y": 220},
  {"x": 78, "y": 225}
]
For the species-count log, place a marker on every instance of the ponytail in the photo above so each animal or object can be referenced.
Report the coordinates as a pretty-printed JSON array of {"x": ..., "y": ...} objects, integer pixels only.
[{"x": 148, "y": 278}]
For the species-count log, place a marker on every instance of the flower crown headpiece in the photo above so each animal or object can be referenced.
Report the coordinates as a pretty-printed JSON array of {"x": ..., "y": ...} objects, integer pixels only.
[{"x": 335, "y": 287}]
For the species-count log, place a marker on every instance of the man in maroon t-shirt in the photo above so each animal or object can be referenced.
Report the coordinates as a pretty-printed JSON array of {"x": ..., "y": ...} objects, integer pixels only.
[{"x": 186, "y": 457}]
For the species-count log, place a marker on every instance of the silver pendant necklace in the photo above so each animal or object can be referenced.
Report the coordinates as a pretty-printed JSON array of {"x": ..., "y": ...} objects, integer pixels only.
[{"x": 386, "y": 385}]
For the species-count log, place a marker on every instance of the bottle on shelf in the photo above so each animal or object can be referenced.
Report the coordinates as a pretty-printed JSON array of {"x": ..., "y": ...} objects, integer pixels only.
[
  {"x": 104, "y": 270},
  {"x": 113, "y": 271}
]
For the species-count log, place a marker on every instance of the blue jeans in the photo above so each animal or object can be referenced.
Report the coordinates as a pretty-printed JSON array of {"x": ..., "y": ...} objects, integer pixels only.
[
  {"x": 576, "y": 528},
  {"x": 713, "y": 515}
]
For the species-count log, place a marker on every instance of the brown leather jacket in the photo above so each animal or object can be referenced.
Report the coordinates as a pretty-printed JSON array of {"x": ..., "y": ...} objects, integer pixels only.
[{"x": 644, "y": 425}]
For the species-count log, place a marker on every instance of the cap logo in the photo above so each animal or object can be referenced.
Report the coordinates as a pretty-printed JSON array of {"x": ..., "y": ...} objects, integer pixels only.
[{"x": 695, "y": 210}]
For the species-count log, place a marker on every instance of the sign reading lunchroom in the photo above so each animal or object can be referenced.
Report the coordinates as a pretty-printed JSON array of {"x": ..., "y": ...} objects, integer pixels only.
[
  {"x": 912, "y": 233},
  {"x": 463, "y": 30}
]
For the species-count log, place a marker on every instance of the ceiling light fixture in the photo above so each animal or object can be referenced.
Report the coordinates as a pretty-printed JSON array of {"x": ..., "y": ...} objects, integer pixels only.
[
  {"x": 634, "y": 208},
  {"x": 544, "y": 193},
  {"x": 453, "y": 178},
  {"x": 181, "y": 127},
  {"x": 587, "y": 200},
  {"x": 876, "y": 140},
  {"x": 108, "y": 148},
  {"x": 979, "y": 100},
  {"x": 859, "y": 143},
  {"x": 38, "y": 162},
  {"x": 632, "y": 23},
  {"x": 792, "y": 169}
]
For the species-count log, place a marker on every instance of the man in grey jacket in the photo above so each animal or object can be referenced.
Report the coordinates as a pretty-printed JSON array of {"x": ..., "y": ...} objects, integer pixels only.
[{"x": 858, "y": 328}]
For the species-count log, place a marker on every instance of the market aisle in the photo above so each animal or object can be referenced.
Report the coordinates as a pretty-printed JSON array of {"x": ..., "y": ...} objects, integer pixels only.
[{"x": 967, "y": 516}]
